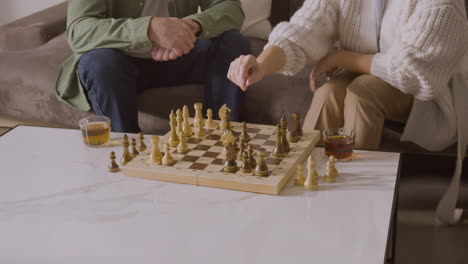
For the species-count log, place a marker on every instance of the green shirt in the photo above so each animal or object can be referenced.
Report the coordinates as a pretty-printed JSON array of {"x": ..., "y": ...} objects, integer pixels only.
[{"x": 116, "y": 24}]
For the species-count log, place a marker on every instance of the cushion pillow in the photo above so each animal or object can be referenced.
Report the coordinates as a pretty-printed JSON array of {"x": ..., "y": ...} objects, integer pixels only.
[{"x": 256, "y": 24}]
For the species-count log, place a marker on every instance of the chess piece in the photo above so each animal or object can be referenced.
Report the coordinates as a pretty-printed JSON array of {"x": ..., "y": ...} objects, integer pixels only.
[
  {"x": 246, "y": 166},
  {"x": 252, "y": 160},
  {"x": 168, "y": 160},
  {"x": 225, "y": 120},
  {"x": 332, "y": 172},
  {"x": 113, "y": 166},
  {"x": 173, "y": 139},
  {"x": 279, "y": 151},
  {"x": 211, "y": 124},
  {"x": 198, "y": 115},
  {"x": 126, "y": 156},
  {"x": 294, "y": 128},
  {"x": 186, "y": 126},
  {"x": 180, "y": 121},
  {"x": 299, "y": 181},
  {"x": 230, "y": 165},
  {"x": 182, "y": 147},
  {"x": 142, "y": 147},
  {"x": 311, "y": 183},
  {"x": 134, "y": 149},
  {"x": 284, "y": 139},
  {"x": 222, "y": 111},
  {"x": 241, "y": 147},
  {"x": 200, "y": 132},
  {"x": 244, "y": 135},
  {"x": 261, "y": 169},
  {"x": 156, "y": 156}
]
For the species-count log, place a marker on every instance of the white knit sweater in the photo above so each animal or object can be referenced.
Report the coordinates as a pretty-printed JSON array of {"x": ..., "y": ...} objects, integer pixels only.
[{"x": 426, "y": 59}]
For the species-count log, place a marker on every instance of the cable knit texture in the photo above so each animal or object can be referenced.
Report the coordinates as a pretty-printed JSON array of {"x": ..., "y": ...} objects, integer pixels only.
[{"x": 431, "y": 40}]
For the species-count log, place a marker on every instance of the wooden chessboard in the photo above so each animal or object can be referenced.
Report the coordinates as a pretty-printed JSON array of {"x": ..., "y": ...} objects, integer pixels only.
[{"x": 203, "y": 166}]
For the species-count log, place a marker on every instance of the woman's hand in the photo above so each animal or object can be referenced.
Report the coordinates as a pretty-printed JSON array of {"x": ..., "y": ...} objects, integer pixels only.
[{"x": 245, "y": 71}]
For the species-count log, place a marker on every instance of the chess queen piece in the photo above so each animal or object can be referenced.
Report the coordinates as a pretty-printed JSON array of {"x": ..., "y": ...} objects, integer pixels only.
[
  {"x": 279, "y": 151},
  {"x": 142, "y": 147},
  {"x": 113, "y": 166},
  {"x": 168, "y": 160},
  {"x": 211, "y": 124},
  {"x": 284, "y": 139},
  {"x": 246, "y": 166},
  {"x": 182, "y": 148},
  {"x": 134, "y": 149},
  {"x": 300, "y": 179},
  {"x": 261, "y": 169},
  {"x": 294, "y": 128},
  {"x": 156, "y": 156},
  {"x": 230, "y": 165},
  {"x": 174, "y": 138},
  {"x": 126, "y": 156},
  {"x": 332, "y": 172},
  {"x": 244, "y": 135},
  {"x": 311, "y": 183},
  {"x": 198, "y": 120},
  {"x": 186, "y": 126}
]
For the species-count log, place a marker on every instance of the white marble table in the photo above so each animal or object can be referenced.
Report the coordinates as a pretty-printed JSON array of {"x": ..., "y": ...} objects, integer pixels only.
[{"x": 58, "y": 204}]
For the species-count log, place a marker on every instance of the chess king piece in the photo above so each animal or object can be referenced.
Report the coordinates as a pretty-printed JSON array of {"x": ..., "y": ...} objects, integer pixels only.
[
  {"x": 180, "y": 121},
  {"x": 230, "y": 165},
  {"x": 279, "y": 151},
  {"x": 168, "y": 160},
  {"x": 211, "y": 124},
  {"x": 173, "y": 139},
  {"x": 299, "y": 181},
  {"x": 142, "y": 147},
  {"x": 126, "y": 156},
  {"x": 156, "y": 156},
  {"x": 187, "y": 127},
  {"x": 311, "y": 183},
  {"x": 284, "y": 139},
  {"x": 332, "y": 172},
  {"x": 225, "y": 119},
  {"x": 113, "y": 166},
  {"x": 246, "y": 166},
  {"x": 200, "y": 132},
  {"x": 253, "y": 162},
  {"x": 134, "y": 149},
  {"x": 261, "y": 169},
  {"x": 182, "y": 147},
  {"x": 294, "y": 128},
  {"x": 198, "y": 115},
  {"x": 244, "y": 135}
]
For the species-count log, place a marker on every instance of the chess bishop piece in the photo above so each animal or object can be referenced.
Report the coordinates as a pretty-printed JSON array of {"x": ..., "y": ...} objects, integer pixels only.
[
  {"x": 246, "y": 166},
  {"x": 186, "y": 126},
  {"x": 230, "y": 165},
  {"x": 126, "y": 156},
  {"x": 311, "y": 183},
  {"x": 182, "y": 147},
  {"x": 168, "y": 160},
  {"x": 210, "y": 123},
  {"x": 180, "y": 122},
  {"x": 156, "y": 156},
  {"x": 142, "y": 147},
  {"x": 279, "y": 151},
  {"x": 261, "y": 169},
  {"x": 173, "y": 139},
  {"x": 198, "y": 120},
  {"x": 300, "y": 179},
  {"x": 332, "y": 172},
  {"x": 294, "y": 128},
  {"x": 134, "y": 149},
  {"x": 113, "y": 166},
  {"x": 284, "y": 139}
]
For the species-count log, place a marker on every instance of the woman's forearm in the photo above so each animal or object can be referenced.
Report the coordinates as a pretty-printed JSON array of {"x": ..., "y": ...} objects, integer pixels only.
[{"x": 271, "y": 60}]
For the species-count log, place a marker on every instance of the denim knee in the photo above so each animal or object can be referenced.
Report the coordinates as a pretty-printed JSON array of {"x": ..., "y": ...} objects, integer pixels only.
[{"x": 235, "y": 42}]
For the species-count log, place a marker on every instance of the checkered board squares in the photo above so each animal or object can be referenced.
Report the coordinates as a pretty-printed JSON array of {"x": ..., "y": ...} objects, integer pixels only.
[{"x": 203, "y": 165}]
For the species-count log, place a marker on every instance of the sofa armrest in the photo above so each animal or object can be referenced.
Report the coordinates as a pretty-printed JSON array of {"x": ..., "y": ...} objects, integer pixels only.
[{"x": 35, "y": 30}]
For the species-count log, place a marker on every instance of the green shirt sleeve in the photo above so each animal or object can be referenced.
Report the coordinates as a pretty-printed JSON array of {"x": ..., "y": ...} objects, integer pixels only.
[
  {"x": 89, "y": 27},
  {"x": 218, "y": 16}
]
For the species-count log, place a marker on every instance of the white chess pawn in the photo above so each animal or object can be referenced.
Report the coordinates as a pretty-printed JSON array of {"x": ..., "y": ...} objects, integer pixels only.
[
  {"x": 156, "y": 156},
  {"x": 200, "y": 132},
  {"x": 311, "y": 183},
  {"x": 332, "y": 172},
  {"x": 187, "y": 127},
  {"x": 182, "y": 147},
  {"x": 211, "y": 124},
  {"x": 300, "y": 179},
  {"x": 168, "y": 160}
]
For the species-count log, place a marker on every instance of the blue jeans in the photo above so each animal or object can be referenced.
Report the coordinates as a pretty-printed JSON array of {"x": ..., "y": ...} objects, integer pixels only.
[{"x": 112, "y": 79}]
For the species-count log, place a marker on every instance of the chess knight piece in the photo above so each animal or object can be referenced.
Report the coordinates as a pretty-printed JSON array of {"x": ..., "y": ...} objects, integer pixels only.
[
  {"x": 299, "y": 181},
  {"x": 261, "y": 169},
  {"x": 126, "y": 156},
  {"x": 156, "y": 156},
  {"x": 113, "y": 166},
  {"x": 311, "y": 183}
]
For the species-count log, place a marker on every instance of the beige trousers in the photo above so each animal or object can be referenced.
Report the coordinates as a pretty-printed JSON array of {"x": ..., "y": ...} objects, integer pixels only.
[{"x": 358, "y": 102}]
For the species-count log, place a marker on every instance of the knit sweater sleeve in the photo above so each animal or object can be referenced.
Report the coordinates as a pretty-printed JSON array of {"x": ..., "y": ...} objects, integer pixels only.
[
  {"x": 308, "y": 36},
  {"x": 426, "y": 55}
]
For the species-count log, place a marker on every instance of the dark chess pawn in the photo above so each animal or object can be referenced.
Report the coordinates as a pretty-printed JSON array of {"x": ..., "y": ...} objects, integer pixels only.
[
  {"x": 261, "y": 169},
  {"x": 126, "y": 156},
  {"x": 241, "y": 148},
  {"x": 284, "y": 139},
  {"x": 113, "y": 166},
  {"x": 134, "y": 149},
  {"x": 142, "y": 146},
  {"x": 253, "y": 162},
  {"x": 244, "y": 135},
  {"x": 230, "y": 165},
  {"x": 294, "y": 128},
  {"x": 246, "y": 166}
]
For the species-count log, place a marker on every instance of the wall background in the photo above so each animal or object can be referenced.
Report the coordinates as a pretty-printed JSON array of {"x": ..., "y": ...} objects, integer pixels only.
[{"x": 13, "y": 9}]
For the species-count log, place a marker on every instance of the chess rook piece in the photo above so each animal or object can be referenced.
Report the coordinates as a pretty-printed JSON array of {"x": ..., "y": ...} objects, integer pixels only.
[
  {"x": 186, "y": 126},
  {"x": 174, "y": 138},
  {"x": 200, "y": 132},
  {"x": 284, "y": 139},
  {"x": 279, "y": 151},
  {"x": 311, "y": 183},
  {"x": 198, "y": 115},
  {"x": 168, "y": 160},
  {"x": 142, "y": 147},
  {"x": 182, "y": 147},
  {"x": 211, "y": 124},
  {"x": 261, "y": 169},
  {"x": 225, "y": 120},
  {"x": 126, "y": 156},
  {"x": 252, "y": 160},
  {"x": 332, "y": 172},
  {"x": 246, "y": 166},
  {"x": 113, "y": 166},
  {"x": 180, "y": 121},
  {"x": 134, "y": 149},
  {"x": 244, "y": 135},
  {"x": 294, "y": 128},
  {"x": 300, "y": 179},
  {"x": 230, "y": 165},
  {"x": 156, "y": 156},
  {"x": 242, "y": 149}
]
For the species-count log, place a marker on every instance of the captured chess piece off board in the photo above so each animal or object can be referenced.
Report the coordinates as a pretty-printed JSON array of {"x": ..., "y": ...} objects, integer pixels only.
[{"x": 224, "y": 154}]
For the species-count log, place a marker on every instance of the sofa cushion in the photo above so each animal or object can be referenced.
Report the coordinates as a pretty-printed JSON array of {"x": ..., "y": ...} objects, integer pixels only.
[{"x": 256, "y": 24}]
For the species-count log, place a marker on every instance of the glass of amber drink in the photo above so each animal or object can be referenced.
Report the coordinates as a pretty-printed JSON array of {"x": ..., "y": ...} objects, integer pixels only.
[
  {"x": 95, "y": 130},
  {"x": 339, "y": 142}
]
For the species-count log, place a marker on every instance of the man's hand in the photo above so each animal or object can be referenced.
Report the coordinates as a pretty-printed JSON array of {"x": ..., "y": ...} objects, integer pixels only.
[
  {"x": 173, "y": 34},
  {"x": 193, "y": 25},
  {"x": 341, "y": 59},
  {"x": 159, "y": 53},
  {"x": 245, "y": 71}
]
